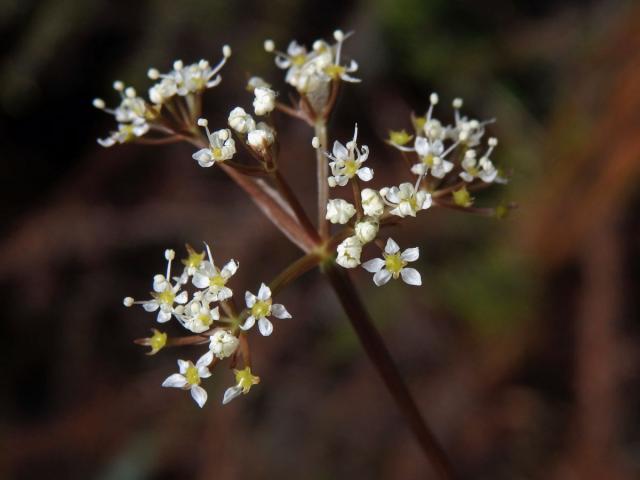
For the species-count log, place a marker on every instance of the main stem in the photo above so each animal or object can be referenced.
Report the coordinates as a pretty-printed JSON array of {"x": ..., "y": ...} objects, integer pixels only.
[
  {"x": 322, "y": 173},
  {"x": 379, "y": 355}
]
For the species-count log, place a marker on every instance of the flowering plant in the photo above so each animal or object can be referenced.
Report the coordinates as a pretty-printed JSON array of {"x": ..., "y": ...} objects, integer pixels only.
[{"x": 444, "y": 164}]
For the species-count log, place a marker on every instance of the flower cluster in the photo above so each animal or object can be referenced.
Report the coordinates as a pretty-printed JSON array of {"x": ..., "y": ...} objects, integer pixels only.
[
  {"x": 199, "y": 312},
  {"x": 173, "y": 100},
  {"x": 311, "y": 71}
]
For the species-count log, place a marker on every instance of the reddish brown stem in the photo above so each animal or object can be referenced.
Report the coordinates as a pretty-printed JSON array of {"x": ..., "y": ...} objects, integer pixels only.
[{"x": 381, "y": 358}]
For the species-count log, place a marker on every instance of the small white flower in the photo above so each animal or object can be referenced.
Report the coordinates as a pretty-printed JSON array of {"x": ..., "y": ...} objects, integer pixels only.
[
  {"x": 367, "y": 229},
  {"x": 221, "y": 146},
  {"x": 167, "y": 298},
  {"x": 482, "y": 169},
  {"x": 209, "y": 277},
  {"x": 340, "y": 211},
  {"x": 372, "y": 202},
  {"x": 244, "y": 381},
  {"x": 349, "y": 252},
  {"x": 265, "y": 100},
  {"x": 198, "y": 316},
  {"x": 260, "y": 308},
  {"x": 223, "y": 344},
  {"x": 190, "y": 377},
  {"x": 432, "y": 158},
  {"x": 261, "y": 138},
  {"x": 126, "y": 133},
  {"x": 241, "y": 121},
  {"x": 131, "y": 115},
  {"x": 406, "y": 199},
  {"x": 393, "y": 265},
  {"x": 347, "y": 162}
]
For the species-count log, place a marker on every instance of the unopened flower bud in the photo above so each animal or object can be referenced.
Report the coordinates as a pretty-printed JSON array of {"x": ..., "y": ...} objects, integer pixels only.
[
  {"x": 367, "y": 229},
  {"x": 372, "y": 202},
  {"x": 241, "y": 121},
  {"x": 265, "y": 100},
  {"x": 340, "y": 211}
]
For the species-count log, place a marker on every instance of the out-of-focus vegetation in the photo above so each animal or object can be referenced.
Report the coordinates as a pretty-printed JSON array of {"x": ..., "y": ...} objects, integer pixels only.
[{"x": 521, "y": 346}]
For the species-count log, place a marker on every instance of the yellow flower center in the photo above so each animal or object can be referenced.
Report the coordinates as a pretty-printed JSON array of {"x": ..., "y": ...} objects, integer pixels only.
[
  {"x": 334, "y": 71},
  {"x": 192, "y": 375},
  {"x": 216, "y": 152},
  {"x": 299, "y": 60},
  {"x": 350, "y": 168},
  {"x": 246, "y": 379},
  {"x": 166, "y": 297},
  {"x": 157, "y": 341},
  {"x": 194, "y": 259},
  {"x": 394, "y": 263},
  {"x": 399, "y": 137},
  {"x": 205, "y": 319},
  {"x": 261, "y": 308},
  {"x": 462, "y": 198},
  {"x": 428, "y": 160},
  {"x": 217, "y": 281}
]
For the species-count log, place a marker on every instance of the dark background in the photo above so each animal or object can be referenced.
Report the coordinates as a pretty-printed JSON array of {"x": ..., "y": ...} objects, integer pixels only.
[{"x": 522, "y": 345}]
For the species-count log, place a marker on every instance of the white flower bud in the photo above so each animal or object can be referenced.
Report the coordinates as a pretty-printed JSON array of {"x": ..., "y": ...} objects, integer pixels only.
[
  {"x": 340, "y": 211},
  {"x": 372, "y": 202},
  {"x": 241, "y": 121},
  {"x": 349, "y": 252},
  {"x": 223, "y": 344},
  {"x": 367, "y": 229},
  {"x": 265, "y": 100},
  {"x": 260, "y": 140}
]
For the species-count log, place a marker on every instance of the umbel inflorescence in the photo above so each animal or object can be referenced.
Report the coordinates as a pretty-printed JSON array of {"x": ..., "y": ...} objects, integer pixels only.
[{"x": 444, "y": 163}]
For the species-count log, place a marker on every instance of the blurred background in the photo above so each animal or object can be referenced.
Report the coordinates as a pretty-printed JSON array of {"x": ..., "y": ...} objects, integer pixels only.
[{"x": 522, "y": 345}]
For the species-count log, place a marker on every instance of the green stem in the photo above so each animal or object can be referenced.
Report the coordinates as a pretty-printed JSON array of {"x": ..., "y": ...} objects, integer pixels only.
[
  {"x": 322, "y": 174},
  {"x": 381, "y": 358}
]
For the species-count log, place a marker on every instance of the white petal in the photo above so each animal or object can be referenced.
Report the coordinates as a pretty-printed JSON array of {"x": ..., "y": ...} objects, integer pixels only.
[
  {"x": 248, "y": 323},
  {"x": 250, "y": 299},
  {"x": 203, "y": 155},
  {"x": 229, "y": 269},
  {"x": 199, "y": 280},
  {"x": 265, "y": 327},
  {"x": 391, "y": 247},
  {"x": 224, "y": 293},
  {"x": 182, "y": 297},
  {"x": 422, "y": 146},
  {"x": 150, "y": 306},
  {"x": 176, "y": 380},
  {"x": 340, "y": 151},
  {"x": 231, "y": 393},
  {"x": 205, "y": 360},
  {"x": 199, "y": 394},
  {"x": 382, "y": 277},
  {"x": 279, "y": 311},
  {"x": 264, "y": 293},
  {"x": 183, "y": 365},
  {"x": 411, "y": 276},
  {"x": 374, "y": 265},
  {"x": 410, "y": 254},
  {"x": 365, "y": 174},
  {"x": 163, "y": 316}
]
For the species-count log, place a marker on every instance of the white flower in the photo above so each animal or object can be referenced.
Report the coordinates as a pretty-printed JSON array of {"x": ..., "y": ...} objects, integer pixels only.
[
  {"x": 367, "y": 229},
  {"x": 255, "y": 82},
  {"x": 406, "y": 199},
  {"x": 190, "y": 376},
  {"x": 244, "y": 381},
  {"x": 347, "y": 162},
  {"x": 372, "y": 202},
  {"x": 209, "y": 277},
  {"x": 432, "y": 157},
  {"x": 349, "y": 252},
  {"x": 482, "y": 169},
  {"x": 126, "y": 132},
  {"x": 265, "y": 100},
  {"x": 222, "y": 343},
  {"x": 340, "y": 211},
  {"x": 221, "y": 146},
  {"x": 394, "y": 265},
  {"x": 165, "y": 295},
  {"x": 198, "y": 316},
  {"x": 241, "y": 121},
  {"x": 260, "y": 308},
  {"x": 466, "y": 131},
  {"x": 261, "y": 138},
  {"x": 131, "y": 115}
]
